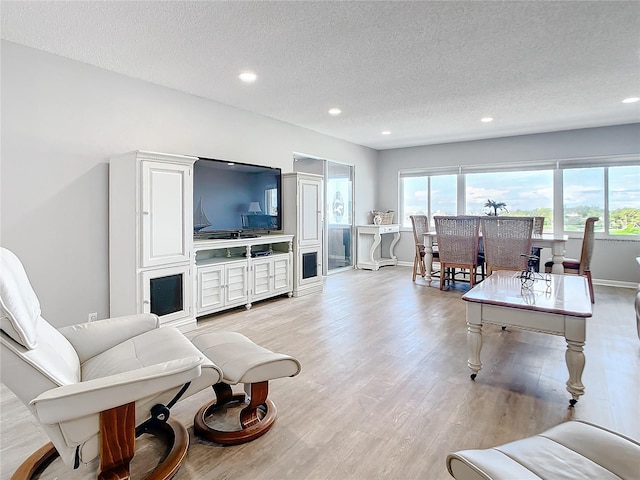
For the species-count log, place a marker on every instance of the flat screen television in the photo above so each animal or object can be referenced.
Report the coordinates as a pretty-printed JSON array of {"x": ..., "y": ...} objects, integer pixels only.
[{"x": 232, "y": 199}]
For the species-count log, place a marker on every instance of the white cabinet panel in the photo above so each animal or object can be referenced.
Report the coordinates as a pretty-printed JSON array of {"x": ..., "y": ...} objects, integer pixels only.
[
  {"x": 303, "y": 217},
  {"x": 281, "y": 274},
  {"x": 166, "y": 208},
  {"x": 221, "y": 286},
  {"x": 271, "y": 276},
  {"x": 310, "y": 212},
  {"x": 262, "y": 273},
  {"x": 210, "y": 288},
  {"x": 236, "y": 285}
]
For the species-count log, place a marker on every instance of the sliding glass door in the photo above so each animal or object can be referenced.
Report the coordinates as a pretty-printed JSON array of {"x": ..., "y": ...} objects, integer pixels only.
[{"x": 339, "y": 215}]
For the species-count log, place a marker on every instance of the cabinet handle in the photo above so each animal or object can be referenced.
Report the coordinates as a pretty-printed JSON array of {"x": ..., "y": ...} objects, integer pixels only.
[
  {"x": 146, "y": 302},
  {"x": 145, "y": 213}
]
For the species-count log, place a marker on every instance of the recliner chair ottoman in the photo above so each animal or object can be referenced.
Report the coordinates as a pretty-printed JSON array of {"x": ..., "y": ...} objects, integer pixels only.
[
  {"x": 241, "y": 361},
  {"x": 570, "y": 451}
]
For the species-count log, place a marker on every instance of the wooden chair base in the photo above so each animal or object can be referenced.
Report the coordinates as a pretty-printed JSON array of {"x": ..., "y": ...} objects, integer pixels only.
[
  {"x": 36, "y": 462},
  {"x": 448, "y": 273},
  {"x": 178, "y": 443},
  {"x": 255, "y": 419}
]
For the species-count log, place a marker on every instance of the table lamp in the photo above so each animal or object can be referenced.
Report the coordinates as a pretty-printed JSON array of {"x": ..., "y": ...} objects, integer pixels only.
[{"x": 254, "y": 207}]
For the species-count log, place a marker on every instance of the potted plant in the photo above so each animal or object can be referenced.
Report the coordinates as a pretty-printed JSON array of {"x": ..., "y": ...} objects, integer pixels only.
[{"x": 496, "y": 206}]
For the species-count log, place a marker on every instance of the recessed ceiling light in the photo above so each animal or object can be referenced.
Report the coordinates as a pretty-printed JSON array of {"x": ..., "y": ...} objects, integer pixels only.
[
  {"x": 248, "y": 77},
  {"x": 631, "y": 100},
  {"x": 335, "y": 111},
  {"x": 386, "y": 132},
  {"x": 230, "y": 163},
  {"x": 486, "y": 119}
]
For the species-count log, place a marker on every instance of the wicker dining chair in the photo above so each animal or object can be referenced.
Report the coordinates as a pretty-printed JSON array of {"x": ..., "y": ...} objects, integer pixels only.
[
  {"x": 420, "y": 224},
  {"x": 507, "y": 242},
  {"x": 538, "y": 228},
  {"x": 581, "y": 266},
  {"x": 457, "y": 246}
]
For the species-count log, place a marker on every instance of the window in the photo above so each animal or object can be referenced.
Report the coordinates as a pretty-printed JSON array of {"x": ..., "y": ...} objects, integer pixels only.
[
  {"x": 428, "y": 195},
  {"x": 610, "y": 193},
  {"x": 583, "y": 197},
  {"x": 608, "y": 188},
  {"x": 271, "y": 201},
  {"x": 624, "y": 200},
  {"x": 525, "y": 193}
]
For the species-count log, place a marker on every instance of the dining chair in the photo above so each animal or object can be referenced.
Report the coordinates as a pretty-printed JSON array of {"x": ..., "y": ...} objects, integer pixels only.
[
  {"x": 581, "y": 266},
  {"x": 457, "y": 246},
  {"x": 507, "y": 242},
  {"x": 538, "y": 228},
  {"x": 420, "y": 224}
]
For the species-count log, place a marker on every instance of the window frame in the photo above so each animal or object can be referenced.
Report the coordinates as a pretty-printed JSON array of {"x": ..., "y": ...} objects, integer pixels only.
[{"x": 557, "y": 166}]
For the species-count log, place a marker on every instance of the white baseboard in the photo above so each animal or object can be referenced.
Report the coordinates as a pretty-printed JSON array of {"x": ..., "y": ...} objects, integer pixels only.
[{"x": 614, "y": 283}]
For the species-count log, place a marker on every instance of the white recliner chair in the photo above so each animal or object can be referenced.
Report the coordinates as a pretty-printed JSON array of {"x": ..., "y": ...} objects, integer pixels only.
[{"x": 93, "y": 386}]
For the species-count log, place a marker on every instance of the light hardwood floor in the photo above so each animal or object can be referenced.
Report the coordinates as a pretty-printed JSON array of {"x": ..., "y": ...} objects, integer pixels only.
[{"x": 385, "y": 391}]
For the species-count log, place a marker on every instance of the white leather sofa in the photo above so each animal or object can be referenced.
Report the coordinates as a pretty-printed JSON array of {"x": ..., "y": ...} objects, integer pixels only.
[{"x": 574, "y": 450}]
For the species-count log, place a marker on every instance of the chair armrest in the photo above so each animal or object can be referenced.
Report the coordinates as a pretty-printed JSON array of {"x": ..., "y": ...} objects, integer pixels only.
[
  {"x": 93, "y": 396},
  {"x": 91, "y": 339}
]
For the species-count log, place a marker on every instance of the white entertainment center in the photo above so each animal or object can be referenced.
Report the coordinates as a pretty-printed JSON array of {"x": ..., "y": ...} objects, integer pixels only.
[{"x": 155, "y": 265}]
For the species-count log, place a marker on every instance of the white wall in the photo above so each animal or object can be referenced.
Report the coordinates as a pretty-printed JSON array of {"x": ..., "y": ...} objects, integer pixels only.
[
  {"x": 613, "y": 260},
  {"x": 62, "y": 120}
]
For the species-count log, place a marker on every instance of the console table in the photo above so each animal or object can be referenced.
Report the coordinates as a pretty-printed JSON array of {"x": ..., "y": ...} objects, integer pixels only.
[{"x": 370, "y": 254}]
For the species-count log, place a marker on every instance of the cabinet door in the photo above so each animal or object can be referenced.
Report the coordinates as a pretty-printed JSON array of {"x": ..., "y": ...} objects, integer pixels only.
[
  {"x": 236, "y": 283},
  {"x": 167, "y": 221},
  {"x": 309, "y": 269},
  {"x": 282, "y": 274},
  {"x": 309, "y": 212},
  {"x": 210, "y": 288},
  {"x": 262, "y": 277},
  {"x": 166, "y": 292}
]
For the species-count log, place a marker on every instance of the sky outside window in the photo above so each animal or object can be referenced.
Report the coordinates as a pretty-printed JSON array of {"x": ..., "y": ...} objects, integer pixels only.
[
  {"x": 583, "y": 197},
  {"x": 624, "y": 200},
  {"x": 525, "y": 193}
]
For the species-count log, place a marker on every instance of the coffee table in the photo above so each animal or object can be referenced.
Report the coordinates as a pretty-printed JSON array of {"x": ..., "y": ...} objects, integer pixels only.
[{"x": 559, "y": 305}]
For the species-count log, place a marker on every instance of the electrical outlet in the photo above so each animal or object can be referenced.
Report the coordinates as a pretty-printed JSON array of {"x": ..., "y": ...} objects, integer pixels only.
[{"x": 93, "y": 317}]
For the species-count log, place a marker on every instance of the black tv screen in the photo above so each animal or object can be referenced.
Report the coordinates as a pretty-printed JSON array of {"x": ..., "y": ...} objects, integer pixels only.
[{"x": 235, "y": 197}]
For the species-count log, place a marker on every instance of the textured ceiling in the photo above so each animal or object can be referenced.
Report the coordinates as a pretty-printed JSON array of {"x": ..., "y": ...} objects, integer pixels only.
[{"x": 427, "y": 71}]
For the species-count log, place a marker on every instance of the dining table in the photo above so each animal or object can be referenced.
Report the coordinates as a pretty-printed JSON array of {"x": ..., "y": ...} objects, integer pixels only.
[{"x": 556, "y": 242}]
